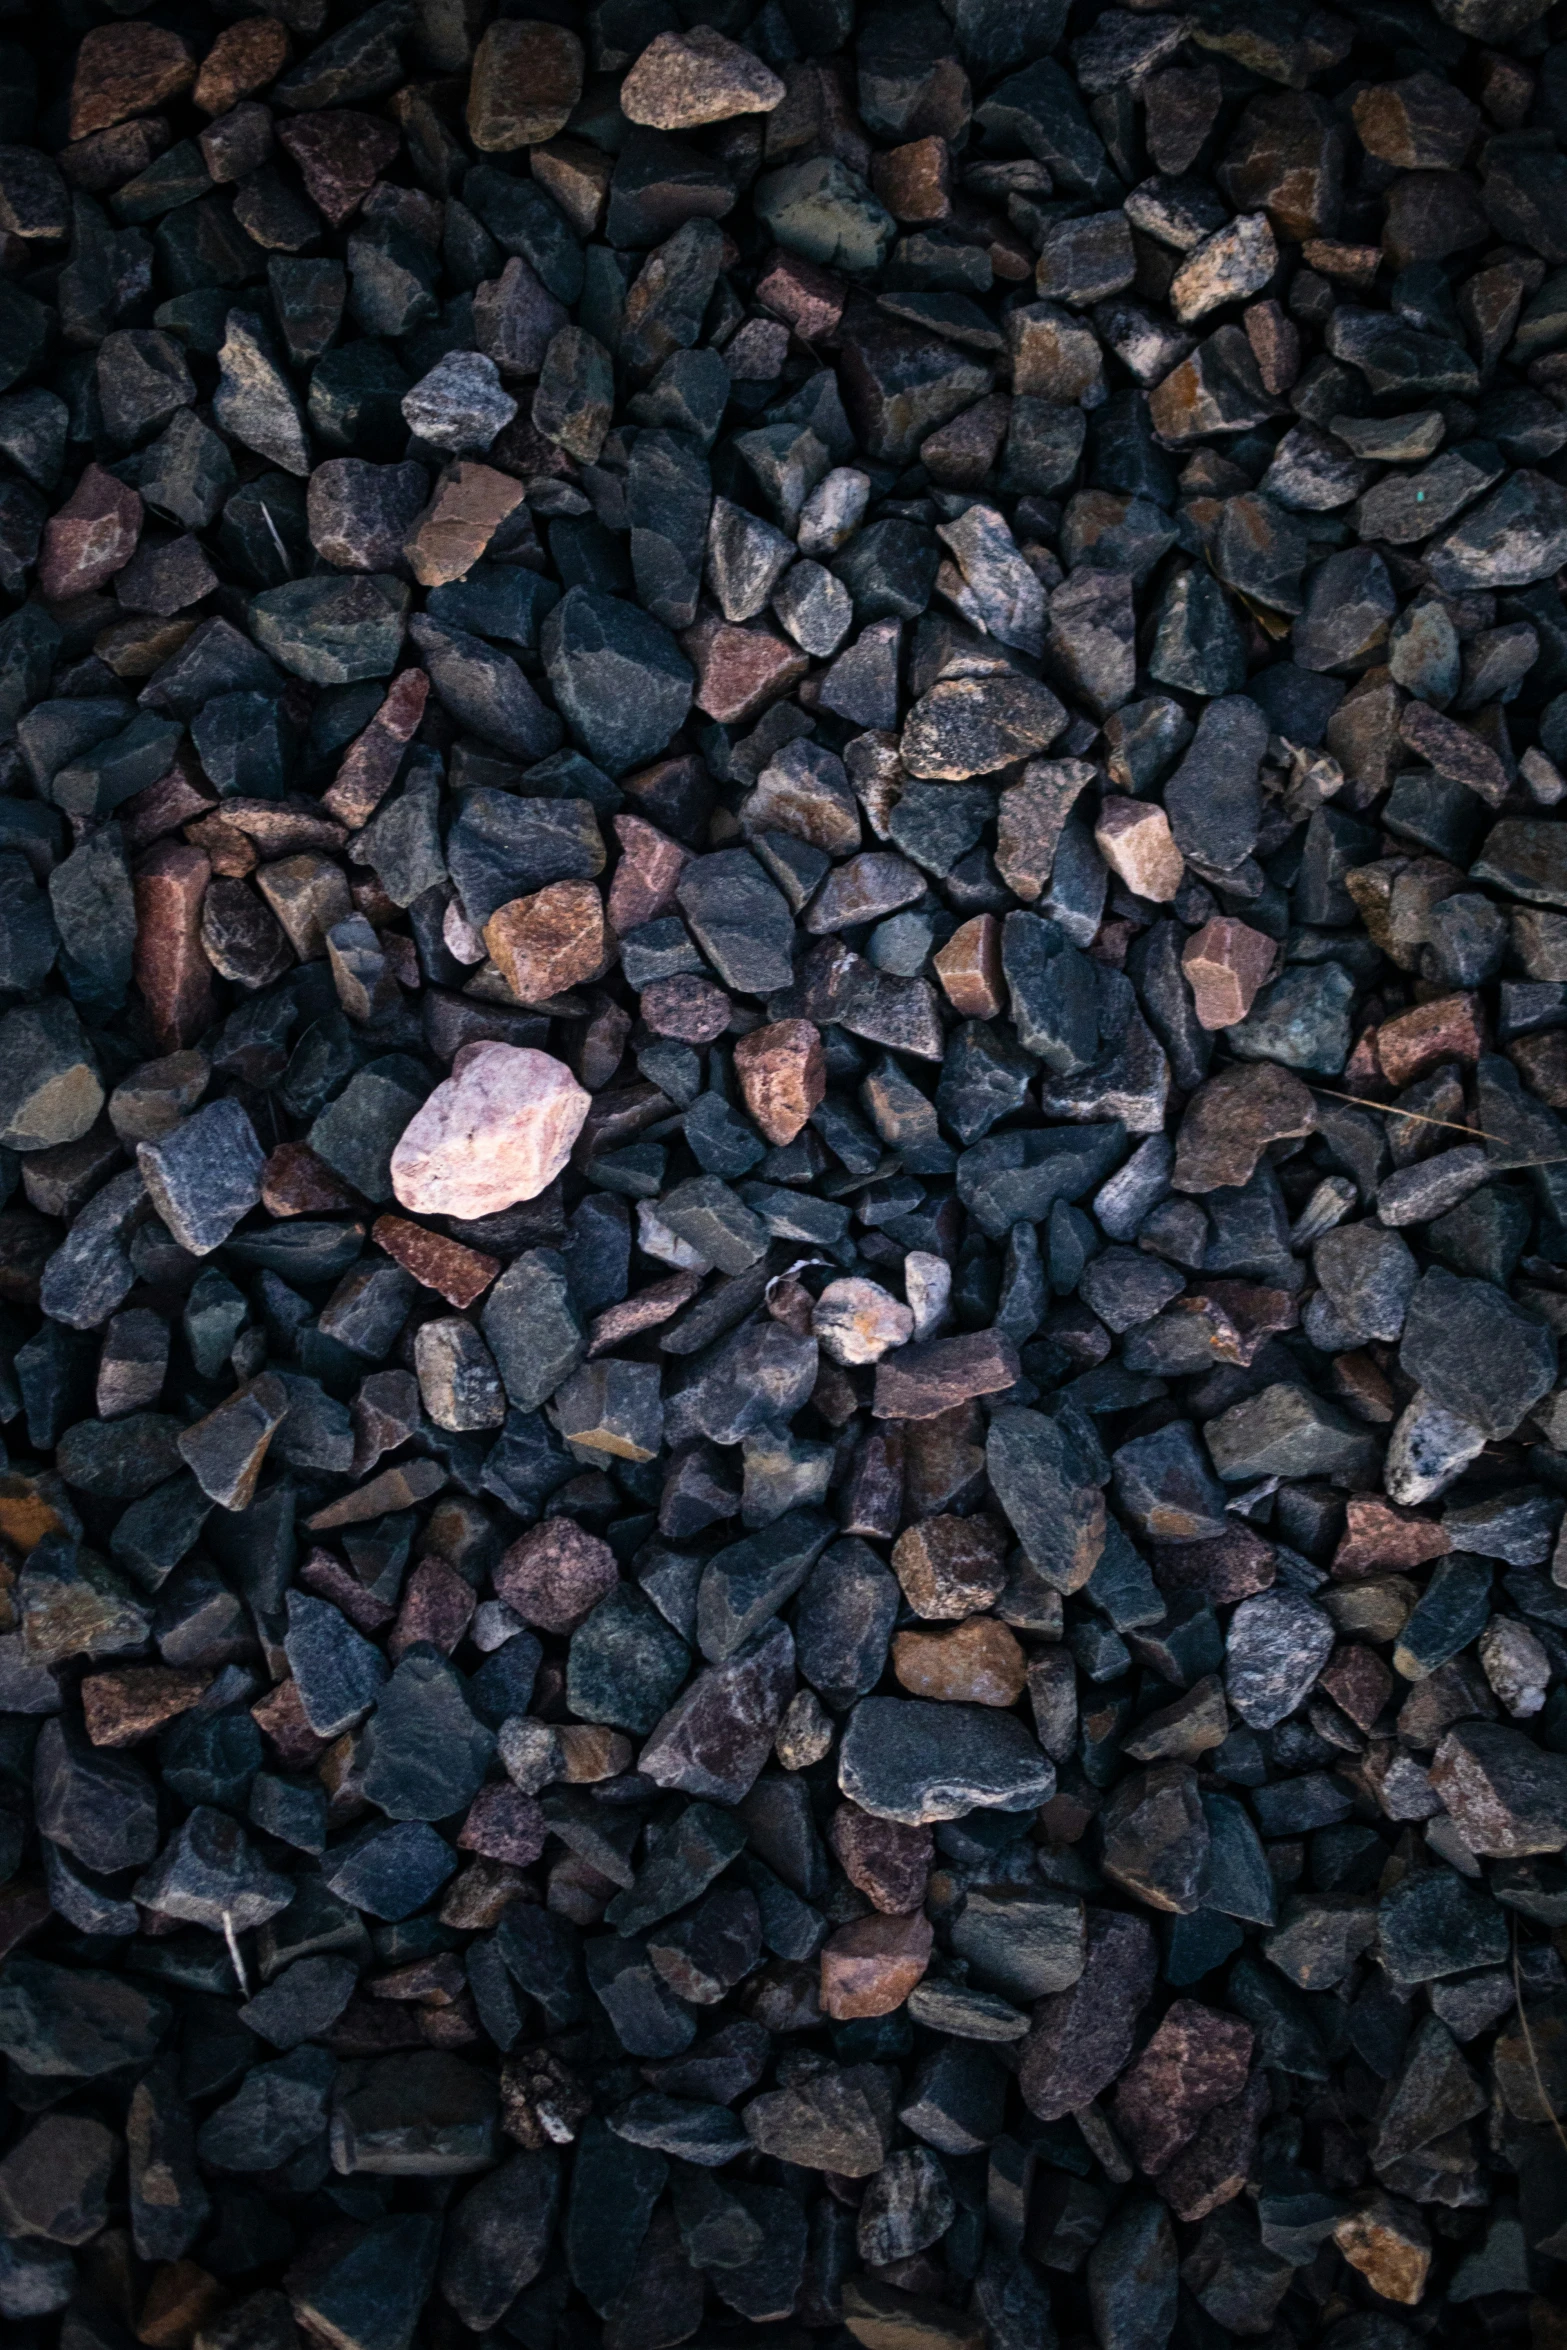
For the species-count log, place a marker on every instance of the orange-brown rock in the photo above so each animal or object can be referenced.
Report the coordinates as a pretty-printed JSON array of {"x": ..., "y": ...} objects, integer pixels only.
[
  {"x": 915, "y": 181},
  {"x": 1225, "y": 963},
  {"x": 170, "y": 968},
  {"x": 644, "y": 881},
  {"x": 1450, "y": 1028},
  {"x": 92, "y": 537},
  {"x": 460, "y": 1275},
  {"x": 1275, "y": 344},
  {"x": 527, "y": 77},
  {"x": 578, "y": 177},
  {"x": 1136, "y": 843},
  {"x": 242, "y": 60},
  {"x": 181, "y": 2299},
  {"x": 1231, "y": 1120},
  {"x": 1378, "y": 1538},
  {"x": 969, "y": 968},
  {"x": 128, "y": 1702},
  {"x": 950, "y": 1568},
  {"x": 782, "y": 1075},
  {"x": 978, "y": 1662},
  {"x": 469, "y": 506},
  {"x": 871, "y": 1966},
  {"x": 1030, "y": 816},
  {"x": 1387, "y": 2241},
  {"x": 551, "y": 941},
  {"x": 125, "y": 69}
]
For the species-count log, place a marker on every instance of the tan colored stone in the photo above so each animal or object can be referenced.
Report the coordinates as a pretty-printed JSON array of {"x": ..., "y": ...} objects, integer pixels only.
[
  {"x": 1135, "y": 841},
  {"x": 977, "y": 1663},
  {"x": 499, "y": 1130},
  {"x": 1275, "y": 344},
  {"x": 782, "y": 1075},
  {"x": 1226, "y": 962},
  {"x": 577, "y": 176},
  {"x": 128, "y": 1702},
  {"x": 857, "y": 1320},
  {"x": 915, "y": 181},
  {"x": 309, "y": 896},
  {"x": 242, "y": 60},
  {"x": 469, "y": 506},
  {"x": 527, "y": 77},
  {"x": 969, "y": 968},
  {"x": 551, "y": 941},
  {"x": 1387, "y": 2241},
  {"x": 125, "y": 69},
  {"x": 950, "y": 1568},
  {"x": 682, "y": 80},
  {"x": 92, "y": 537},
  {"x": 871, "y": 1966}
]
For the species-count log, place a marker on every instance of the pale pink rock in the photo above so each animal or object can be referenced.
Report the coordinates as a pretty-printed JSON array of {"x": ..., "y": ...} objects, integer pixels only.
[
  {"x": 1226, "y": 963},
  {"x": 499, "y": 1130},
  {"x": 1135, "y": 842},
  {"x": 856, "y": 1321}
]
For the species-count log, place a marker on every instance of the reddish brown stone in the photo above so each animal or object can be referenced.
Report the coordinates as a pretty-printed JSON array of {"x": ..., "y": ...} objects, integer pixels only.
[
  {"x": 504, "y": 1824},
  {"x": 1451, "y": 1028},
  {"x": 242, "y": 60},
  {"x": 469, "y": 506},
  {"x": 645, "y": 879},
  {"x": 1378, "y": 1538},
  {"x": 551, "y": 941},
  {"x": 125, "y": 69},
  {"x": 280, "y": 1717},
  {"x": 1135, "y": 840},
  {"x": 1217, "y": 2163},
  {"x": 1358, "y": 1682},
  {"x": 171, "y": 970},
  {"x": 1231, "y": 1120},
  {"x": 294, "y": 1182},
  {"x": 371, "y": 761},
  {"x": 688, "y": 1007},
  {"x": 107, "y": 159},
  {"x": 1275, "y": 344},
  {"x": 437, "y": 1607},
  {"x": 555, "y": 1574},
  {"x": 395, "y": 1489},
  {"x": 92, "y": 537},
  {"x": 1196, "y": 2060},
  {"x": 871, "y": 1966},
  {"x": 809, "y": 300},
  {"x": 340, "y": 157},
  {"x": 1359, "y": 1382},
  {"x": 882, "y": 1859},
  {"x": 526, "y": 79},
  {"x": 181, "y": 2299},
  {"x": 1242, "y": 1316},
  {"x": 460, "y": 1275},
  {"x": 129, "y": 1702},
  {"x": 1226, "y": 963},
  {"x": 969, "y": 968},
  {"x": 918, "y": 1382},
  {"x": 782, "y": 1076},
  {"x": 589, "y": 1752},
  {"x": 329, "y": 1579},
  {"x": 1224, "y": 1568},
  {"x": 739, "y": 670},
  {"x": 915, "y": 181},
  {"x": 951, "y": 1567},
  {"x": 646, "y": 1311},
  {"x": 976, "y": 1663}
]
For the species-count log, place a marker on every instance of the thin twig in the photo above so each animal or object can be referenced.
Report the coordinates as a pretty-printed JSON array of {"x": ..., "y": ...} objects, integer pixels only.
[
  {"x": 1422, "y": 1118},
  {"x": 232, "y": 1939},
  {"x": 1546, "y": 2106}
]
